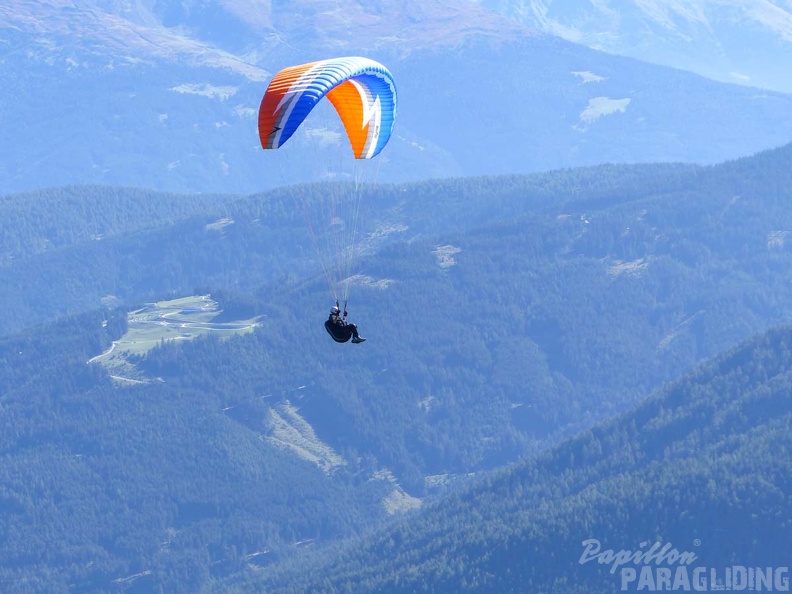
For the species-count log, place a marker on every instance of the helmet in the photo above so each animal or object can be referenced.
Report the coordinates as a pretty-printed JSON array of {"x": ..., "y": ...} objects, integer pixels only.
[{"x": 334, "y": 310}]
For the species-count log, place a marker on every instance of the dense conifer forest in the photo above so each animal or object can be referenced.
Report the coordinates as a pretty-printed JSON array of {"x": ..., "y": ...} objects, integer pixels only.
[
  {"x": 702, "y": 467},
  {"x": 510, "y": 320}
]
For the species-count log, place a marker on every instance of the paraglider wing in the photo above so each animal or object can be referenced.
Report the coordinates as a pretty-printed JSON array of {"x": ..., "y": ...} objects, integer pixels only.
[{"x": 361, "y": 90}]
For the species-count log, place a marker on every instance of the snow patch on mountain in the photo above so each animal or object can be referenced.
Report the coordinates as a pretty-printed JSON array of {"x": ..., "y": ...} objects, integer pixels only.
[
  {"x": 776, "y": 239},
  {"x": 667, "y": 14},
  {"x": 588, "y": 77},
  {"x": 773, "y": 17},
  {"x": 445, "y": 255},
  {"x": 630, "y": 269},
  {"x": 602, "y": 106},
  {"x": 206, "y": 90},
  {"x": 363, "y": 280}
]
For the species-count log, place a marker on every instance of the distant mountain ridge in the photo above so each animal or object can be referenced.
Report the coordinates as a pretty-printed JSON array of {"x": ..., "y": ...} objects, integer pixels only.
[
  {"x": 742, "y": 41},
  {"x": 237, "y": 36},
  {"x": 165, "y": 96}
]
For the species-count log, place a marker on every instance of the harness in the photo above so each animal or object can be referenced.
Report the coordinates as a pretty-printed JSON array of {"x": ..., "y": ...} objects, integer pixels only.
[{"x": 332, "y": 330}]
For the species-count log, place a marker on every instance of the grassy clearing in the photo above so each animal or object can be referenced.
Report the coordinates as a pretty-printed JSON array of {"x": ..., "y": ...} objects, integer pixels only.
[{"x": 178, "y": 319}]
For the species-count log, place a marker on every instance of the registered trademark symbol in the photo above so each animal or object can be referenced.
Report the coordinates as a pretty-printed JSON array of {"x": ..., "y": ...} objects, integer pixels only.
[{"x": 696, "y": 542}]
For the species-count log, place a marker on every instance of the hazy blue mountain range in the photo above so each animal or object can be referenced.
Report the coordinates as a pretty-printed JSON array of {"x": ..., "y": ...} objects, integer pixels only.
[
  {"x": 698, "y": 475},
  {"x": 163, "y": 95},
  {"x": 504, "y": 314},
  {"x": 741, "y": 41},
  {"x": 553, "y": 234}
]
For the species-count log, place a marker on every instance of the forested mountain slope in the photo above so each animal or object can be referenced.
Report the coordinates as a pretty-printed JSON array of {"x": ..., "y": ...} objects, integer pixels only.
[
  {"x": 698, "y": 474},
  {"x": 503, "y": 314},
  {"x": 158, "y": 485}
]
